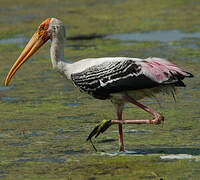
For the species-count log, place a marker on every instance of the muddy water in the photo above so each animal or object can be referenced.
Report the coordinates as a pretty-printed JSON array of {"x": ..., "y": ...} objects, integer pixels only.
[{"x": 45, "y": 121}]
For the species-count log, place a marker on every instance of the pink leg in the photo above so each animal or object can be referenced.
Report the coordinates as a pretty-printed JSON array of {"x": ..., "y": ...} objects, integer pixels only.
[
  {"x": 157, "y": 117},
  {"x": 119, "y": 116},
  {"x": 104, "y": 125}
]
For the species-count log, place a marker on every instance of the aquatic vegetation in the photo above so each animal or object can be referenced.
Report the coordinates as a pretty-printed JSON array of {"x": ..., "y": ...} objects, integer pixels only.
[{"x": 45, "y": 121}]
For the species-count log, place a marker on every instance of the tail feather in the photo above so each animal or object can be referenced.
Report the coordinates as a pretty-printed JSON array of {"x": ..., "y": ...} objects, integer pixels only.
[
  {"x": 188, "y": 74},
  {"x": 180, "y": 83}
]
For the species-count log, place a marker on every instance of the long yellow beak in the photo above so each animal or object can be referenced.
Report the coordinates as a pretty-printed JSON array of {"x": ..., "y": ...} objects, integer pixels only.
[{"x": 33, "y": 45}]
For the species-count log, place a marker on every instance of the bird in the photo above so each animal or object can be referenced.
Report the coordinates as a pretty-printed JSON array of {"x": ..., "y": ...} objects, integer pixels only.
[{"x": 120, "y": 80}]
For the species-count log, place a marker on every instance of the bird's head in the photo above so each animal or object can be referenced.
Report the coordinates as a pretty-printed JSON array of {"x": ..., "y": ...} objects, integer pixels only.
[{"x": 48, "y": 29}]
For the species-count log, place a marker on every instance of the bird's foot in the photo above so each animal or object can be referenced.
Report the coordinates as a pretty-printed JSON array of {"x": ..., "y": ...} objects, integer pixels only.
[
  {"x": 158, "y": 120},
  {"x": 121, "y": 148},
  {"x": 100, "y": 128}
]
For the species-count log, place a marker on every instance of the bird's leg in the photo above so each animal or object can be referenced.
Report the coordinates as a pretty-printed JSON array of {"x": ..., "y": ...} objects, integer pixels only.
[
  {"x": 157, "y": 117},
  {"x": 105, "y": 124},
  {"x": 119, "y": 117}
]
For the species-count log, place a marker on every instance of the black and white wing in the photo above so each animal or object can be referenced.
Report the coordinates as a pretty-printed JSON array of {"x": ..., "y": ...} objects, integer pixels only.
[{"x": 112, "y": 77}]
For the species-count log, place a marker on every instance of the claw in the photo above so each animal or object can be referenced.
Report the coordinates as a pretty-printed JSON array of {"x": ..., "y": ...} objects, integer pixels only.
[
  {"x": 100, "y": 128},
  {"x": 93, "y": 145}
]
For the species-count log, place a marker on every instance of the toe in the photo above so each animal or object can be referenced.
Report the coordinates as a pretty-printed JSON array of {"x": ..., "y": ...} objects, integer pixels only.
[{"x": 100, "y": 128}]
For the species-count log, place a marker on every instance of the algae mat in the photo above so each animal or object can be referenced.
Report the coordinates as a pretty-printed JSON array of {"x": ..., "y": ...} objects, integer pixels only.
[{"x": 45, "y": 121}]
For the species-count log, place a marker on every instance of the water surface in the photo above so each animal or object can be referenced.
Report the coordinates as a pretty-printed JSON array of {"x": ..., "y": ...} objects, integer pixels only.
[
  {"x": 164, "y": 36},
  {"x": 45, "y": 121}
]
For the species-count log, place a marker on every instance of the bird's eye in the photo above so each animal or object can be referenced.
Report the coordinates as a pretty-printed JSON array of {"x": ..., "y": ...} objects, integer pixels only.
[{"x": 42, "y": 28}]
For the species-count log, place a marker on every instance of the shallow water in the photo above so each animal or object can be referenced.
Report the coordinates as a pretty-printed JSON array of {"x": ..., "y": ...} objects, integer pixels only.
[
  {"x": 19, "y": 39},
  {"x": 45, "y": 121},
  {"x": 3, "y": 88},
  {"x": 180, "y": 156},
  {"x": 163, "y": 36}
]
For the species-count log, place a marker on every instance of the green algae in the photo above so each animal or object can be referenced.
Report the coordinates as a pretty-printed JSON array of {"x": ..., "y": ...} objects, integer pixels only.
[
  {"x": 42, "y": 136},
  {"x": 126, "y": 16}
]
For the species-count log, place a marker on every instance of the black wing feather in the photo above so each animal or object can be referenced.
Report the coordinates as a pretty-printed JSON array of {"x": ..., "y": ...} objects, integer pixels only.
[{"x": 112, "y": 77}]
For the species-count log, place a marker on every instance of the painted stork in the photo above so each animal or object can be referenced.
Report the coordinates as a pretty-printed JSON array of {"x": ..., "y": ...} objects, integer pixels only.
[{"x": 118, "y": 79}]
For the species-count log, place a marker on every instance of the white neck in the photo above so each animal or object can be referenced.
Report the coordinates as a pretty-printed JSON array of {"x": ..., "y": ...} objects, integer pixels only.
[
  {"x": 57, "y": 31},
  {"x": 57, "y": 52},
  {"x": 57, "y": 56}
]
